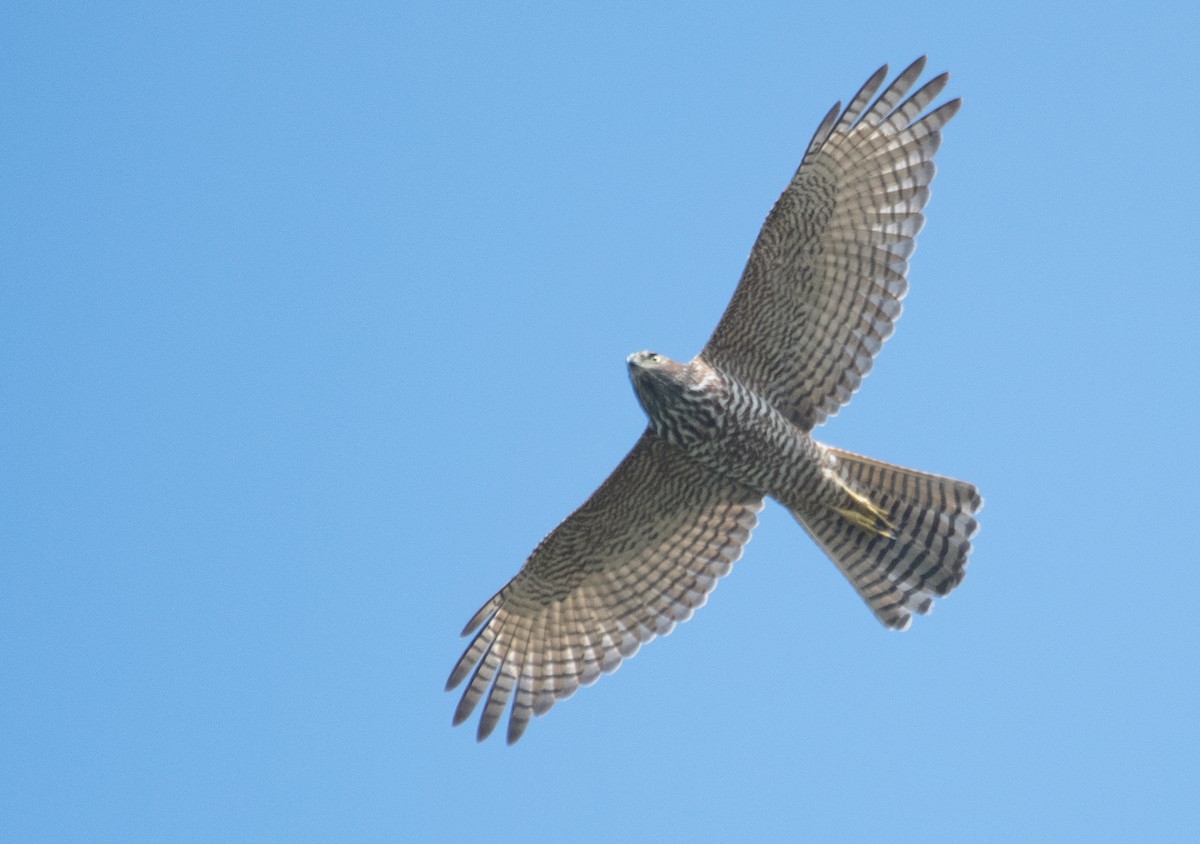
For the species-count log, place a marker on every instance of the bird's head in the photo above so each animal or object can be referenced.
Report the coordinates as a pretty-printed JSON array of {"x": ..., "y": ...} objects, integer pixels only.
[
  {"x": 676, "y": 396},
  {"x": 655, "y": 372},
  {"x": 646, "y": 360}
]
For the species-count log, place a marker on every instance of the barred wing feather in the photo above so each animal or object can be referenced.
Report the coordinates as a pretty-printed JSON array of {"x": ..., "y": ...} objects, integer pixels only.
[
  {"x": 638, "y": 557},
  {"x": 822, "y": 287}
]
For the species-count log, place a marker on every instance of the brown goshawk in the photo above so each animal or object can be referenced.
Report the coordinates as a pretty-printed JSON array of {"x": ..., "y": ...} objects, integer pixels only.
[{"x": 819, "y": 295}]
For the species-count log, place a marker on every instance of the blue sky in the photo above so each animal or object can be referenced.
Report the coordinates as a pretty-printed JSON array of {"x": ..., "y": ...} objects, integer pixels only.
[{"x": 313, "y": 321}]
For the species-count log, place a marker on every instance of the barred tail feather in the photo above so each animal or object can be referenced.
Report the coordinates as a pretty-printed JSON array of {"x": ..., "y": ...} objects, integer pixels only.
[{"x": 923, "y": 555}]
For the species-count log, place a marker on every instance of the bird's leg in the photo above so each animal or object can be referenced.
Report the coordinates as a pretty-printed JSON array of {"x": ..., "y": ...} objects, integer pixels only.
[{"x": 864, "y": 513}]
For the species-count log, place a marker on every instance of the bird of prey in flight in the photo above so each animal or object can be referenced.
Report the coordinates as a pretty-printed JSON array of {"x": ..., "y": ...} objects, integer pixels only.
[{"x": 819, "y": 295}]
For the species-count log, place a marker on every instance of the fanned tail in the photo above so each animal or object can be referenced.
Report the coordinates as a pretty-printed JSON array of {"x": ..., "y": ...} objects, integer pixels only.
[{"x": 905, "y": 539}]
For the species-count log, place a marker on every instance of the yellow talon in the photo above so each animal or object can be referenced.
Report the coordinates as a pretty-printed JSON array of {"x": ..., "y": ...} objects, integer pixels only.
[{"x": 865, "y": 514}]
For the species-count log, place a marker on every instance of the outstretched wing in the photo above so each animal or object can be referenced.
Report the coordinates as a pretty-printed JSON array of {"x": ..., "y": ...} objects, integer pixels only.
[
  {"x": 639, "y": 556},
  {"x": 822, "y": 288}
]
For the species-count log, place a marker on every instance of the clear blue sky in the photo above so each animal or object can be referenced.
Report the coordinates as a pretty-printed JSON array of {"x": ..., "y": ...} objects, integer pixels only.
[{"x": 313, "y": 321}]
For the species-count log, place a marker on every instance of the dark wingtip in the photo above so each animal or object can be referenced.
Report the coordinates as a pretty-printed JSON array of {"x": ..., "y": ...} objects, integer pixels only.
[
  {"x": 464, "y": 709},
  {"x": 486, "y": 726},
  {"x": 516, "y": 729}
]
